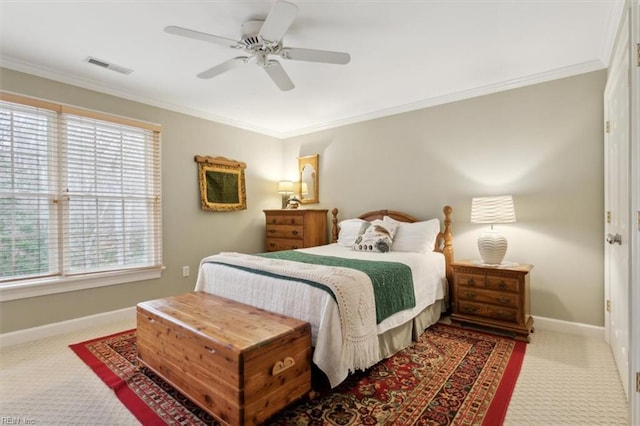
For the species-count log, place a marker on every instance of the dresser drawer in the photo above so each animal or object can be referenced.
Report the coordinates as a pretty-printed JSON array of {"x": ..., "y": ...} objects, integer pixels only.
[
  {"x": 277, "y": 244},
  {"x": 486, "y": 296},
  {"x": 488, "y": 311},
  {"x": 275, "y": 219},
  {"x": 285, "y": 231}
]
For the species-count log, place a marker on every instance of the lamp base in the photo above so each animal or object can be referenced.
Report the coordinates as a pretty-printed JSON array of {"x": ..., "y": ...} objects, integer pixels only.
[{"x": 492, "y": 247}]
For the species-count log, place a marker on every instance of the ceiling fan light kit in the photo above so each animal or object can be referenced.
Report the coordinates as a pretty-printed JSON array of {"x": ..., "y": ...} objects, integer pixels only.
[{"x": 261, "y": 39}]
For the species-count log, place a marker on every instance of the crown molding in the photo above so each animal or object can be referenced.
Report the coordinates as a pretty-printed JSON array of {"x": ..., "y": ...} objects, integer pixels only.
[
  {"x": 555, "y": 74},
  {"x": 50, "y": 74}
]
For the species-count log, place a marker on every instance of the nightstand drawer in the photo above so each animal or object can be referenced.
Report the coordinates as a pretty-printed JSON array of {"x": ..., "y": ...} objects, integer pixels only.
[
  {"x": 502, "y": 284},
  {"x": 470, "y": 280},
  {"x": 489, "y": 311},
  {"x": 487, "y": 296},
  {"x": 277, "y": 244},
  {"x": 285, "y": 231}
]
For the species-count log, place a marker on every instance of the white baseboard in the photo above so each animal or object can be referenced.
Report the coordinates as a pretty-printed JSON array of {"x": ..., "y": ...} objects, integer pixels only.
[
  {"x": 56, "y": 328},
  {"x": 568, "y": 327}
]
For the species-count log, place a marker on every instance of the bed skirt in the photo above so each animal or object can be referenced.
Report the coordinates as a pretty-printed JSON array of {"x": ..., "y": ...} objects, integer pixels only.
[{"x": 404, "y": 335}]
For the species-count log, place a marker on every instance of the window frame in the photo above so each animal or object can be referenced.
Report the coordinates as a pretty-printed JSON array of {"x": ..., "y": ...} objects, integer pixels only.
[{"x": 44, "y": 285}]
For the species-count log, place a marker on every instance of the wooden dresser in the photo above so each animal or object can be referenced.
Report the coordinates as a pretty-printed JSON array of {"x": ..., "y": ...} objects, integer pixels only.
[
  {"x": 239, "y": 363},
  {"x": 295, "y": 229},
  {"x": 494, "y": 297}
]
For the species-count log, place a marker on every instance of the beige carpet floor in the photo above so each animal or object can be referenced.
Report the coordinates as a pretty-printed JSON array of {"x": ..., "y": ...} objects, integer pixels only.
[{"x": 565, "y": 380}]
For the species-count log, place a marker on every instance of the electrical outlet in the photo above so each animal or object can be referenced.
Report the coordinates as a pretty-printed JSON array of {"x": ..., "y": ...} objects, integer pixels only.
[{"x": 185, "y": 271}]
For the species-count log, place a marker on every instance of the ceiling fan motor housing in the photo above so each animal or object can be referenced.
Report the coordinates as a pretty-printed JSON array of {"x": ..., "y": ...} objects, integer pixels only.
[{"x": 251, "y": 40}]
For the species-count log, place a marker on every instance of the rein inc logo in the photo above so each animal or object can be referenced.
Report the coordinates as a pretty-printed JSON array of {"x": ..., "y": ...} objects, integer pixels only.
[{"x": 16, "y": 420}]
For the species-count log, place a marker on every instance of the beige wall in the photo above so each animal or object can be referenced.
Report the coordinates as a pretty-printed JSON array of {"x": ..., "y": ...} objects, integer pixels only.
[
  {"x": 542, "y": 144},
  {"x": 189, "y": 234}
]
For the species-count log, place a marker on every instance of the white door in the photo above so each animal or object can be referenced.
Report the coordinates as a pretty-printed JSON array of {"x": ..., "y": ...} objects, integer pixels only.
[{"x": 617, "y": 159}]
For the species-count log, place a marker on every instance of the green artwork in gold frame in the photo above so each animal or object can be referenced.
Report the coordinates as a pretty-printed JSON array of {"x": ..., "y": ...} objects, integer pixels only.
[{"x": 222, "y": 186}]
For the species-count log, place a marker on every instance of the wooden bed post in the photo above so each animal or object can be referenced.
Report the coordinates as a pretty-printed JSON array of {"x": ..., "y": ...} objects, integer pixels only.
[
  {"x": 334, "y": 226},
  {"x": 447, "y": 250}
]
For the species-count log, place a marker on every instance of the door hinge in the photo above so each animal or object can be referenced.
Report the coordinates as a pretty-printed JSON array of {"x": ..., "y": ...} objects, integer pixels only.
[
  {"x": 638, "y": 53},
  {"x": 608, "y": 305},
  {"x": 638, "y": 381},
  {"x": 608, "y": 216},
  {"x": 607, "y": 126}
]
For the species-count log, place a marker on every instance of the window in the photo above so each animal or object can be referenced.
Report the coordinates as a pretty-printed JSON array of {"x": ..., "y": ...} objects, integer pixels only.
[{"x": 79, "y": 198}]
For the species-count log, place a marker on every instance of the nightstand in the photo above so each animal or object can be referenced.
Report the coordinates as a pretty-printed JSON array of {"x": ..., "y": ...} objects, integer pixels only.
[
  {"x": 295, "y": 228},
  {"x": 495, "y": 297}
]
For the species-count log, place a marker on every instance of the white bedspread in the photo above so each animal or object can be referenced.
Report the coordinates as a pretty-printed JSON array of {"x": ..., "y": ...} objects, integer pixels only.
[{"x": 316, "y": 306}]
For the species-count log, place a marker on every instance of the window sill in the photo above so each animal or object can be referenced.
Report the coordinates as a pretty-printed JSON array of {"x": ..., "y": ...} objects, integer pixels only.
[{"x": 44, "y": 286}]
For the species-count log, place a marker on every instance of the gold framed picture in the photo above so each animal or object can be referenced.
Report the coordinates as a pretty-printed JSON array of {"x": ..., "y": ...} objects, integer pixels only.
[{"x": 222, "y": 186}]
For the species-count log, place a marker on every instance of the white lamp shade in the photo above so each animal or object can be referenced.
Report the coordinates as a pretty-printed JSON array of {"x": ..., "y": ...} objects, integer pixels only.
[
  {"x": 493, "y": 209},
  {"x": 285, "y": 187}
]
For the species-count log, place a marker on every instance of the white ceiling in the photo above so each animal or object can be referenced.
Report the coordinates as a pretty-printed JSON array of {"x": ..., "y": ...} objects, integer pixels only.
[{"x": 405, "y": 55}]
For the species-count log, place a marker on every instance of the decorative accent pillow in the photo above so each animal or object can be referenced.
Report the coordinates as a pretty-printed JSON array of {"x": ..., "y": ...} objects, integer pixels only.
[
  {"x": 350, "y": 229},
  {"x": 417, "y": 237},
  {"x": 378, "y": 237}
]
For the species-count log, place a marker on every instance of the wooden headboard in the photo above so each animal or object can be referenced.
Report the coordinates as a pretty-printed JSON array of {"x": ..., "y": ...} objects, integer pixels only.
[{"x": 444, "y": 240}]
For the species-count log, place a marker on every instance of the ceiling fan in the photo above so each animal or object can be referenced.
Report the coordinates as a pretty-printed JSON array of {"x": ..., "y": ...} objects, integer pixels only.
[{"x": 260, "y": 39}]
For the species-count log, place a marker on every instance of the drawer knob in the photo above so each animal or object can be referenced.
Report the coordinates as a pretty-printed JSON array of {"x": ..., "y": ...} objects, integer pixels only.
[
  {"x": 294, "y": 232},
  {"x": 503, "y": 300},
  {"x": 272, "y": 244},
  {"x": 470, "y": 295},
  {"x": 471, "y": 282},
  {"x": 469, "y": 309},
  {"x": 271, "y": 231},
  {"x": 273, "y": 220},
  {"x": 283, "y": 365},
  {"x": 210, "y": 350},
  {"x": 293, "y": 221},
  {"x": 502, "y": 285},
  {"x": 294, "y": 247}
]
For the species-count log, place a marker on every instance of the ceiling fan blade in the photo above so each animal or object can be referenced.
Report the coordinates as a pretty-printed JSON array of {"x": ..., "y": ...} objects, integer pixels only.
[
  {"x": 185, "y": 32},
  {"x": 313, "y": 55},
  {"x": 278, "y": 21},
  {"x": 279, "y": 75},
  {"x": 223, "y": 67}
]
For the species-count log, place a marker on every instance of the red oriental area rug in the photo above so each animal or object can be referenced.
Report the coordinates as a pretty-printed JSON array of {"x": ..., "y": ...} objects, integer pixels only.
[{"x": 450, "y": 376}]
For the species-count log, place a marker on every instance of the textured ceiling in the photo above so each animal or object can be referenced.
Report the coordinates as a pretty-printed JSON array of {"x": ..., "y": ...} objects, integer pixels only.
[{"x": 404, "y": 54}]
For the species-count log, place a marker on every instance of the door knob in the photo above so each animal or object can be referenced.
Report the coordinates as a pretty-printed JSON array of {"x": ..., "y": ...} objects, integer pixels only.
[{"x": 614, "y": 239}]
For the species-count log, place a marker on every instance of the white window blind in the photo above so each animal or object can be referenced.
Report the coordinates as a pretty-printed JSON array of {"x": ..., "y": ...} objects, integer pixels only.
[{"x": 79, "y": 193}]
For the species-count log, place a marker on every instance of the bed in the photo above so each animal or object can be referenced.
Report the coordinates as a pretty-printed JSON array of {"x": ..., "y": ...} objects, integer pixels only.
[{"x": 353, "y": 325}]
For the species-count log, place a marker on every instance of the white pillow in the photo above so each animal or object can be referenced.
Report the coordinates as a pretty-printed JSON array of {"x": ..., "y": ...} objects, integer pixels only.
[
  {"x": 349, "y": 231},
  {"x": 417, "y": 237}
]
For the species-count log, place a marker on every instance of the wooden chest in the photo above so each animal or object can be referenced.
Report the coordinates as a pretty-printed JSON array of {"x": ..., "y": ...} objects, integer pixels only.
[
  {"x": 295, "y": 229},
  {"x": 239, "y": 363}
]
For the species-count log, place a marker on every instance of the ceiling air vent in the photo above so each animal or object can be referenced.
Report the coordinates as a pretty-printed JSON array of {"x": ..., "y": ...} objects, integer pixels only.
[{"x": 107, "y": 65}]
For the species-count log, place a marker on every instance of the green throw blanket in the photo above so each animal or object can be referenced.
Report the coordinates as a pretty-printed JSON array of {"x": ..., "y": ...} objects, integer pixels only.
[{"x": 392, "y": 281}]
